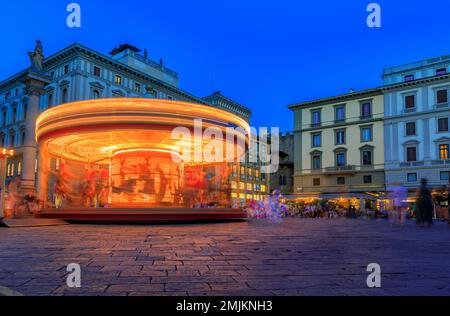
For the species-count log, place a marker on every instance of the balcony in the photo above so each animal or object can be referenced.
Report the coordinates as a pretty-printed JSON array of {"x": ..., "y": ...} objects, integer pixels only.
[
  {"x": 441, "y": 105},
  {"x": 340, "y": 169},
  {"x": 412, "y": 164},
  {"x": 440, "y": 162}
]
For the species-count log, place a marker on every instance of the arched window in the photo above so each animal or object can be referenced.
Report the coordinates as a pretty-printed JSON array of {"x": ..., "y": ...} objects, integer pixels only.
[
  {"x": 96, "y": 94},
  {"x": 4, "y": 117},
  {"x": 19, "y": 168},
  {"x": 25, "y": 109},
  {"x": 14, "y": 115},
  {"x": 64, "y": 95},
  {"x": 12, "y": 140}
]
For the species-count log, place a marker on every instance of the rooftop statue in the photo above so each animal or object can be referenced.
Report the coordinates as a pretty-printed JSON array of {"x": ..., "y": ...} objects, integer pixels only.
[{"x": 37, "y": 57}]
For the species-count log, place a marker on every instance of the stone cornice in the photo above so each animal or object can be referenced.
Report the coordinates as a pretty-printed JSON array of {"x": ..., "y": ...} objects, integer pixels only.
[
  {"x": 78, "y": 50},
  {"x": 339, "y": 98},
  {"x": 414, "y": 83}
]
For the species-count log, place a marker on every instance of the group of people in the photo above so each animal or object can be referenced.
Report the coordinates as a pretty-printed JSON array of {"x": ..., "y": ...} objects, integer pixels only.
[
  {"x": 19, "y": 203},
  {"x": 330, "y": 210},
  {"x": 397, "y": 209}
]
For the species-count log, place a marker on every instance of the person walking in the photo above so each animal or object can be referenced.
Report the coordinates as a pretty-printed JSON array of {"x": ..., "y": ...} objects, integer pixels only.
[
  {"x": 448, "y": 201},
  {"x": 424, "y": 204},
  {"x": 398, "y": 194}
]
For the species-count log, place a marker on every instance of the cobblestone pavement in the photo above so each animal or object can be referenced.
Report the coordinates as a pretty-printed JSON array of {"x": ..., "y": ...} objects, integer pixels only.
[{"x": 296, "y": 257}]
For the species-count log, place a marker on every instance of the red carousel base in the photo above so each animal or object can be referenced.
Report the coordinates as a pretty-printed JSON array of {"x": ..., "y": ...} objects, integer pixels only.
[{"x": 143, "y": 215}]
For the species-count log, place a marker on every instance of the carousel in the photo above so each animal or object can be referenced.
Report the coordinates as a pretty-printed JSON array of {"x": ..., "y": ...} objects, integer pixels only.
[{"x": 120, "y": 160}]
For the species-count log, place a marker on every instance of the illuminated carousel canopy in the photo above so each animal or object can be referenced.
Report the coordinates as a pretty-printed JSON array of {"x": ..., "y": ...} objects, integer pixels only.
[{"x": 108, "y": 153}]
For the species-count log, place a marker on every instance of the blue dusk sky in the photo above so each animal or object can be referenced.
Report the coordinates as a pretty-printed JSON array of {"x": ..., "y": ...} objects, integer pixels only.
[{"x": 263, "y": 54}]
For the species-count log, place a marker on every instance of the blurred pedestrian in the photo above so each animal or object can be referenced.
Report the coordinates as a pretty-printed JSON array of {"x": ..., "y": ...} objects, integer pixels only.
[
  {"x": 448, "y": 201},
  {"x": 424, "y": 204},
  {"x": 398, "y": 194}
]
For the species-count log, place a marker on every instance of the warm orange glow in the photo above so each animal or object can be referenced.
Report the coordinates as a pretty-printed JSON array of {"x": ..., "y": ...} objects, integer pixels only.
[
  {"x": 107, "y": 152},
  {"x": 6, "y": 152}
]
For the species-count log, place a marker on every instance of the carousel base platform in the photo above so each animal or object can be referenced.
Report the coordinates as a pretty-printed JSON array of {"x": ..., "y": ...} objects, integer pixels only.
[{"x": 143, "y": 215}]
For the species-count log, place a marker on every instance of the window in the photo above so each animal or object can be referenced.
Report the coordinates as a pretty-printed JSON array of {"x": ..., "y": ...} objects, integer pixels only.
[
  {"x": 97, "y": 71},
  {"x": 445, "y": 175},
  {"x": 316, "y": 182},
  {"x": 316, "y": 162},
  {"x": 443, "y": 124},
  {"x": 444, "y": 151},
  {"x": 339, "y": 114},
  {"x": 367, "y": 179},
  {"x": 340, "y": 180},
  {"x": 7, "y": 96},
  {"x": 366, "y": 109},
  {"x": 118, "y": 80},
  {"x": 50, "y": 100},
  {"x": 25, "y": 110},
  {"x": 12, "y": 140},
  {"x": 367, "y": 157},
  {"x": 316, "y": 140},
  {"x": 137, "y": 87},
  {"x": 66, "y": 69},
  {"x": 64, "y": 95},
  {"x": 441, "y": 71},
  {"x": 410, "y": 128},
  {"x": 409, "y": 77},
  {"x": 316, "y": 118},
  {"x": 52, "y": 74},
  {"x": 410, "y": 101},
  {"x": 19, "y": 168},
  {"x": 340, "y": 137},
  {"x": 2, "y": 141},
  {"x": 14, "y": 115},
  {"x": 340, "y": 159},
  {"x": 411, "y": 177},
  {"x": 282, "y": 180},
  {"x": 16, "y": 92},
  {"x": 411, "y": 154},
  {"x": 5, "y": 116},
  {"x": 366, "y": 134},
  {"x": 441, "y": 96},
  {"x": 95, "y": 94},
  {"x": 23, "y": 138}
]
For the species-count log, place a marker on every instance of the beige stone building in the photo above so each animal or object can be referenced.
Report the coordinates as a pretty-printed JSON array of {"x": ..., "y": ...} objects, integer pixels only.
[{"x": 339, "y": 146}]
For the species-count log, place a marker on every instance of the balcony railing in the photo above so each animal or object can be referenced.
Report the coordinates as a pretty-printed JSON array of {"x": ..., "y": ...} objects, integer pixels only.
[
  {"x": 412, "y": 164},
  {"x": 340, "y": 169}
]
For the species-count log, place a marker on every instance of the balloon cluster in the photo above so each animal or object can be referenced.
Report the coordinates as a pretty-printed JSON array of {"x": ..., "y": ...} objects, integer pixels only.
[{"x": 270, "y": 208}]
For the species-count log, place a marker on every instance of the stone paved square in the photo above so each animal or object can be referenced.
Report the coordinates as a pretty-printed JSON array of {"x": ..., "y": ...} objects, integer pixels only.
[{"x": 295, "y": 257}]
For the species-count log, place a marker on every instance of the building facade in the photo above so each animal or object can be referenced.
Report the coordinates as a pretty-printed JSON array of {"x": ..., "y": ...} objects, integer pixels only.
[
  {"x": 417, "y": 113},
  {"x": 79, "y": 73},
  {"x": 283, "y": 179},
  {"x": 339, "y": 145}
]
